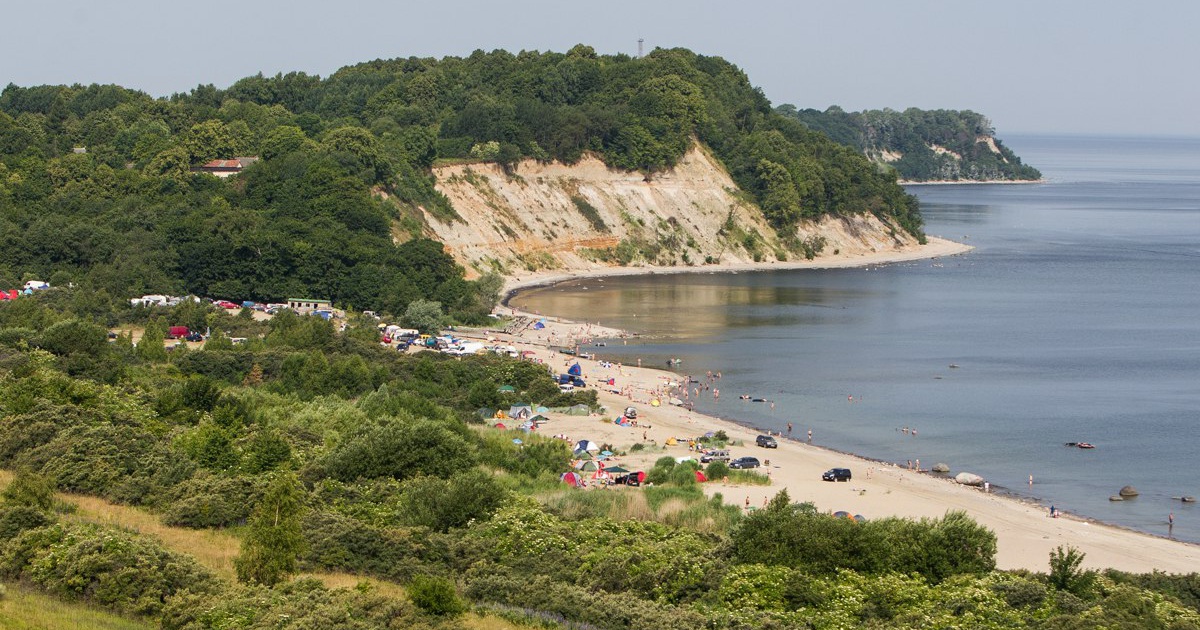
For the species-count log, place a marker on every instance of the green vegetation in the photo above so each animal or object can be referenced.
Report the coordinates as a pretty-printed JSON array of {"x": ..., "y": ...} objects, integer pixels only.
[
  {"x": 345, "y": 164},
  {"x": 932, "y": 145},
  {"x": 327, "y": 481},
  {"x": 327, "y": 455}
]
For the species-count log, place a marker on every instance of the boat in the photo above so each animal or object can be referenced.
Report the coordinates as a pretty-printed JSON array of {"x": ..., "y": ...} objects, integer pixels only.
[{"x": 1080, "y": 444}]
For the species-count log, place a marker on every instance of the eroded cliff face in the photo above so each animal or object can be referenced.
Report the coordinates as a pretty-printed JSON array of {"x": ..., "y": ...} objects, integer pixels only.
[{"x": 587, "y": 216}]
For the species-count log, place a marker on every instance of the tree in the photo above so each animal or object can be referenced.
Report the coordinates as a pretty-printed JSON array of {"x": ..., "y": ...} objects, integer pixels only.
[
  {"x": 424, "y": 315},
  {"x": 274, "y": 540},
  {"x": 1066, "y": 573}
]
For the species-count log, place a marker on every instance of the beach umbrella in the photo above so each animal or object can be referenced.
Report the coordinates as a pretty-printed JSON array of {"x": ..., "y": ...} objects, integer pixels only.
[{"x": 616, "y": 469}]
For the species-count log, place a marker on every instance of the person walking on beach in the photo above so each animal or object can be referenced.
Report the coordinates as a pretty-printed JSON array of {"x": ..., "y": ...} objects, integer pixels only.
[
  {"x": 789, "y": 428},
  {"x": 810, "y": 436}
]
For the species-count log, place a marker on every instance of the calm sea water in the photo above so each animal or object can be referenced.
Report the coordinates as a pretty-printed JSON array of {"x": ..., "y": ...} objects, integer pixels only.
[{"x": 1076, "y": 318}]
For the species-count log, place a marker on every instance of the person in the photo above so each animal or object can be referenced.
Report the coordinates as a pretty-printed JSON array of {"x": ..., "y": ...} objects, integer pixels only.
[
  {"x": 747, "y": 503},
  {"x": 1171, "y": 519},
  {"x": 987, "y": 486},
  {"x": 810, "y": 435},
  {"x": 1030, "y": 481},
  {"x": 1053, "y": 512},
  {"x": 789, "y": 428}
]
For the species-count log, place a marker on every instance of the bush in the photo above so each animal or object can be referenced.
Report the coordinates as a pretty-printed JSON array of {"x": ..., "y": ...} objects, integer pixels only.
[
  {"x": 435, "y": 595},
  {"x": 106, "y": 566}
]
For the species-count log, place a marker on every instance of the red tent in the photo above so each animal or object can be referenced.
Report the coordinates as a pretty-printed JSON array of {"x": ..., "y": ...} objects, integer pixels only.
[
  {"x": 572, "y": 479},
  {"x": 700, "y": 478}
]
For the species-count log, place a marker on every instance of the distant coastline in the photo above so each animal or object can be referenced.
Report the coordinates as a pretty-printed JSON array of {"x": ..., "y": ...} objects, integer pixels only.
[{"x": 969, "y": 182}]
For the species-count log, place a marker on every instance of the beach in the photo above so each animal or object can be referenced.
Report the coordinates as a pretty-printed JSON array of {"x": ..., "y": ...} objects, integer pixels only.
[{"x": 1025, "y": 531}]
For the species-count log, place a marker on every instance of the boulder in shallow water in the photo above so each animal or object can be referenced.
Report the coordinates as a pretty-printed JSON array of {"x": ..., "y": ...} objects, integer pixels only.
[
  {"x": 1128, "y": 491},
  {"x": 968, "y": 479},
  {"x": 1116, "y": 497},
  {"x": 940, "y": 467}
]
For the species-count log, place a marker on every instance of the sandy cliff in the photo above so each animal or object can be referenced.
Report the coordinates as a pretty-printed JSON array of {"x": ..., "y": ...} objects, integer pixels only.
[{"x": 587, "y": 216}]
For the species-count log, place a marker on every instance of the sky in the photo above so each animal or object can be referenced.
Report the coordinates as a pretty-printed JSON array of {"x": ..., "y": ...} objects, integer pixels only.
[{"x": 1046, "y": 66}]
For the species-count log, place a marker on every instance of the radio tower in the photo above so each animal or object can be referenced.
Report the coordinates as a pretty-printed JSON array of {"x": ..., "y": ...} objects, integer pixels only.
[{"x": 640, "y": 42}]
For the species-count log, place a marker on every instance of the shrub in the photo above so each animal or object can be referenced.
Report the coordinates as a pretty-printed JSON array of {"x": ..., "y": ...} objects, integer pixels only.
[{"x": 435, "y": 595}]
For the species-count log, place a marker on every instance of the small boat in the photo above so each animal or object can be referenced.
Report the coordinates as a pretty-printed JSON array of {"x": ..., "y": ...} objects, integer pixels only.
[{"x": 1080, "y": 444}]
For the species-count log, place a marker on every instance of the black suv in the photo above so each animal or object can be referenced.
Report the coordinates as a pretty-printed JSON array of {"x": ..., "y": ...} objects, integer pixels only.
[
  {"x": 766, "y": 441},
  {"x": 744, "y": 462},
  {"x": 836, "y": 474}
]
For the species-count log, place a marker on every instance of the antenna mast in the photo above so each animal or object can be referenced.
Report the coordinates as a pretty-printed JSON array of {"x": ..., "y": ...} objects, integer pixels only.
[{"x": 640, "y": 42}]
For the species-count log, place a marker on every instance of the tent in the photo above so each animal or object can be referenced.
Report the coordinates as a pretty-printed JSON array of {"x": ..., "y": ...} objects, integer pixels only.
[
  {"x": 616, "y": 469},
  {"x": 587, "y": 464},
  {"x": 700, "y": 477},
  {"x": 506, "y": 389},
  {"x": 631, "y": 479},
  {"x": 578, "y": 410},
  {"x": 621, "y": 420},
  {"x": 520, "y": 411},
  {"x": 575, "y": 370},
  {"x": 672, "y": 441},
  {"x": 538, "y": 325},
  {"x": 587, "y": 445},
  {"x": 572, "y": 479},
  {"x": 485, "y": 413},
  {"x": 500, "y": 425}
]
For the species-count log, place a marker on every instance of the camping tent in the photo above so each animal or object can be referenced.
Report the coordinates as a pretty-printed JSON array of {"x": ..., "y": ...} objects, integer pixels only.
[
  {"x": 587, "y": 464},
  {"x": 500, "y": 425},
  {"x": 506, "y": 389},
  {"x": 520, "y": 411},
  {"x": 572, "y": 479},
  {"x": 672, "y": 441},
  {"x": 616, "y": 469},
  {"x": 578, "y": 410},
  {"x": 700, "y": 477},
  {"x": 587, "y": 445},
  {"x": 575, "y": 370},
  {"x": 539, "y": 325}
]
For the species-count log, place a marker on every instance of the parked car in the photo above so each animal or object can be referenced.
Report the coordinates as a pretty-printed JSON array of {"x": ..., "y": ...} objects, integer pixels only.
[
  {"x": 744, "y": 462},
  {"x": 227, "y": 304},
  {"x": 714, "y": 456},
  {"x": 194, "y": 336},
  {"x": 836, "y": 474},
  {"x": 631, "y": 413},
  {"x": 766, "y": 441}
]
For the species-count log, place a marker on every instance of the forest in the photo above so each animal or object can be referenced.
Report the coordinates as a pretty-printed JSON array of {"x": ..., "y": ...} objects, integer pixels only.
[
  {"x": 97, "y": 184},
  {"x": 932, "y": 145}
]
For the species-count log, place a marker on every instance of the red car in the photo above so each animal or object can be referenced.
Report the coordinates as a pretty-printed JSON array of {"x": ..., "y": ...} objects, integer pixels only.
[{"x": 227, "y": 304}]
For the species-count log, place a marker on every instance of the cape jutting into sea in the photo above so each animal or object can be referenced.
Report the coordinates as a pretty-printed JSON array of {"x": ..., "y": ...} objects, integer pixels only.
[{"x": 1075, "y": 319}]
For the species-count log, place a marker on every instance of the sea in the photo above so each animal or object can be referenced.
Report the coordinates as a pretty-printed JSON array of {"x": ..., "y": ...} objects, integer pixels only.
[{"x": 1076, "y": 318}]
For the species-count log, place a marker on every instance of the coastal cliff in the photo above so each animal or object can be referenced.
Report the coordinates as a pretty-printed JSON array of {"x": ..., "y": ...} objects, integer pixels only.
[
  {"x": 587, "y": 216},
  {"x": 922, "y": 145}
]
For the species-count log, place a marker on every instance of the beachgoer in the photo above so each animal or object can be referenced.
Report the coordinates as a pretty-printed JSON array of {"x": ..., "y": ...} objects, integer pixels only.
[
  {"x": 918, "y": 465},
  {"x": 810, "y": 435},
  {"x": 987, "y": 486},
  {"x": 909, "y": 464},
  {"x": 747, "y": 503},
  {"x": 1053, "y": 512},
  {"x": 1030, "y": 481},
  {"x": 789, "y": 428},
  {"x": 1171, "y": 519}
]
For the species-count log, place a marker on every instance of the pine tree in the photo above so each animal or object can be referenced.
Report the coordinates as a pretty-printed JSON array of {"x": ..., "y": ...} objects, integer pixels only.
[{"x": 274, "y": 540}]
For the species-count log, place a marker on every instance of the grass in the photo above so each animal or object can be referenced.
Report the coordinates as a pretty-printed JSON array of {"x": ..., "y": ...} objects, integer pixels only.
[
  {"x": 680, "y": 506},
  {"x": 26, "y": 609}
]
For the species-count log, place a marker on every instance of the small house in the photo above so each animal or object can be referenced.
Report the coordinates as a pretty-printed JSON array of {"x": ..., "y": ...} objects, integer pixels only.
[{"x": 305, "y": 306}]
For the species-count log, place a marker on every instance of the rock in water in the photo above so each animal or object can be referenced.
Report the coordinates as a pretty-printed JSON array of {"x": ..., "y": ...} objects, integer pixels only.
[
  {"x": 968, "y": 479},
  {"x": 940, "y": 467},
  {"x": 1129, "y": 491},
  {"x": 1116, "y": 497}
]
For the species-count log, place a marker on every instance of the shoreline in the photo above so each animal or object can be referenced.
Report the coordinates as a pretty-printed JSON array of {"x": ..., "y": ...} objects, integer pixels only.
[
  {"x": 1025, "y": 534},
  {"x": 968, "y": 182},
  {"x": 935, "y": 247}
]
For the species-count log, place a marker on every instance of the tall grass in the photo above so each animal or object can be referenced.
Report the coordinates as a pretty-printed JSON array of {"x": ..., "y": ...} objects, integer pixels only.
[
  {"x": 685, "y": 507},
  {"x": 26, "y": 609}
]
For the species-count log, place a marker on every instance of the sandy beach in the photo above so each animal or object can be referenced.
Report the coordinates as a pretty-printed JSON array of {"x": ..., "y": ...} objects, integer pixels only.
[{"x": 1025, "y": 531}]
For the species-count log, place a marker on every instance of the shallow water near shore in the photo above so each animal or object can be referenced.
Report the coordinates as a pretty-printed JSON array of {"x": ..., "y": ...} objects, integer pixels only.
[{"x": 1076, "y": 318}]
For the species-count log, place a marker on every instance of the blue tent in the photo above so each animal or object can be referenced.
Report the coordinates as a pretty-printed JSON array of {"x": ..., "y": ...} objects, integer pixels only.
[
  {"x": 575, "y": 370},
  {"x": 538, "y": 325}
]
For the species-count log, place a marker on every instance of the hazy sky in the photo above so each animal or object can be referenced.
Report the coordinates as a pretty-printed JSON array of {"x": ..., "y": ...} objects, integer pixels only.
[{"x": 1031, "y": 66}]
